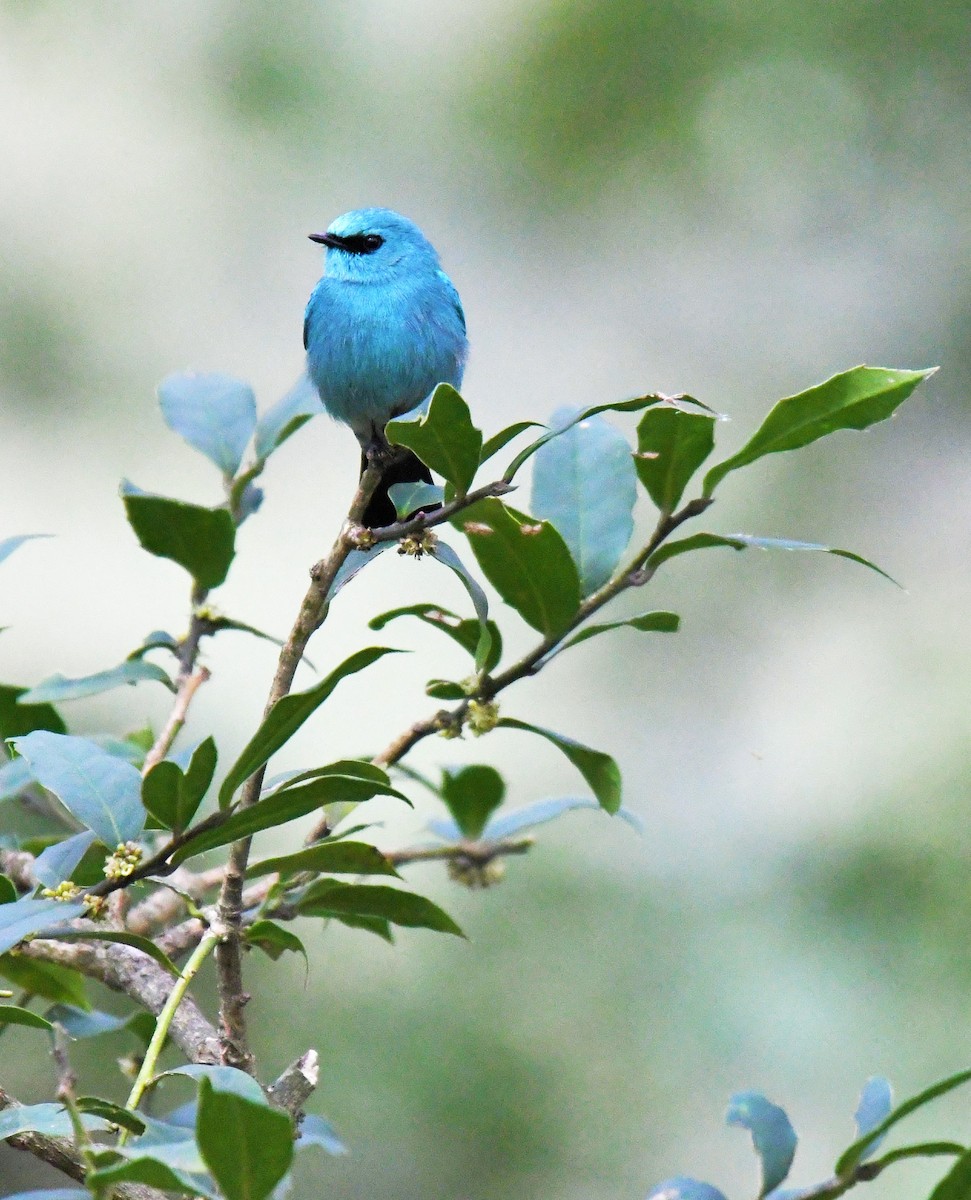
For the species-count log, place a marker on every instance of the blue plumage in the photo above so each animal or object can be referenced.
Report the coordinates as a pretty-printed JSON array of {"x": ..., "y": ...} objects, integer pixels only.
[{"x": 383, "y": 327}]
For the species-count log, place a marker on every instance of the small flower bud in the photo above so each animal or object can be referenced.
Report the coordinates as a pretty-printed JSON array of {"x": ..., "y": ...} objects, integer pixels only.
[
  {"x": 65, "y": 892},
  {"x": 96, "y": 906},
  {"x": 482, "y": 716},
  {"x": 476, "y": 875},
  {"x": 123, "y": 861},
  {"x": 418, "y": 544}
]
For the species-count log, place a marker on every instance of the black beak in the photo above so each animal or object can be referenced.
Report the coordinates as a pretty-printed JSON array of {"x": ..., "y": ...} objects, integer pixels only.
[{"x": 327, "y": 239}]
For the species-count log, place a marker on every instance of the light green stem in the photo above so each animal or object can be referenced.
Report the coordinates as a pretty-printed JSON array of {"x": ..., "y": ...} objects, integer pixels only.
[{"x": 147, "y": 1072}]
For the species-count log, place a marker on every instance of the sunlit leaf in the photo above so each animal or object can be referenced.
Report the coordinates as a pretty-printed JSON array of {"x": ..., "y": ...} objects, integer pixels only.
[
  {"x": 318, "y": 1131},
  {"x": 57, "y": 862},
  {"x": 287, "y": 416},
  {"x": 409, "y": 497},
  {"x": 876, "y": 1104},
  {"x": 10, "y": 544},
  {"x": 201, "y": 540},
  {"x": 49, "y": 1119},
  {"x": 229, "y": 1080},
  {"x": 81, "y": 1023},
  {"x": 214, "y": 413},
  {"x": 854, "y": 399},
  {"x": 102, "y": 791},
  {"x": 683, "y": 1188},
  {"x": 58, "y": 688},
  {"x": 584, "y": 483},
  {"x": 444, "y": 437},
  {"x": 466, "y": 632},
  {"x": 27, "y": 916},
  {"x": 444, "y": 554}
]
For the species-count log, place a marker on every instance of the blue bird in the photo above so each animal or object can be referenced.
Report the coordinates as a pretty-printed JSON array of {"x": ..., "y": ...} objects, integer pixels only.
[{"x": 382, "y": 328}]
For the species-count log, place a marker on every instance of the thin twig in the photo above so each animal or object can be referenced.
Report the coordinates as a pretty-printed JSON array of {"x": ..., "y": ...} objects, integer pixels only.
[{"x": 188, "y": 686}]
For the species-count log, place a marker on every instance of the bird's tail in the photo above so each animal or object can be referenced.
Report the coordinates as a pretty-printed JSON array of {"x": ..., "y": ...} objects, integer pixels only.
[{"x": 405, "y": 467}]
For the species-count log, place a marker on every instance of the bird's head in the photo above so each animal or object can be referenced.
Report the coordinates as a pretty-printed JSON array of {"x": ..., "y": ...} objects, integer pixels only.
[{"x": 369, "y": 243}]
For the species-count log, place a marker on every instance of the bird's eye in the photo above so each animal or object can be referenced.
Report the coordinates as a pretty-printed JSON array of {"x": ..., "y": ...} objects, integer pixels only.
[{"x": 372, "y": 242}]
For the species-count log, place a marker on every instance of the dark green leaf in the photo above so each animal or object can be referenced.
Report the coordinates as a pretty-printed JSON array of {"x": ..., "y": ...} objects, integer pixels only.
[
  {"x": 111, "y": 1112},
  {"x": 27, "y": 916},
  {"x": 956, "y": 1184},
  {"x": 8, "y": 893},
  {"x": 920, "y": 1150},
  {"x": 671, "y": 446},
  {"x": 273, "y": 939},
  {"x": 854, "y": 399},
  {"x": 851, "y": 1157},
  {"x": 375, "y": 925},
  {"x": 444, "y": 437},
  {"x": 10, "y": 1014},
  {"x": 102, "y": 791},
  {"x": 652, "y": 622},
  {"x": 598, "y": 769},
  {"x": 80, "y": 1023},
  {"x": 47, "y": 980},
  {"x": 584, "y": 484},
  {"x": 201, "y": 540},
  {"x": 467, "y": 633},
  {"x": 122, "y": 937},
  {"x": 147, "y": 1168},
  {"x": 248, "y": 1147},
  {"x": 58, "y": 688},
  {"x": 472, "y": 795},
  {"x": 444, "y": 689},
  {"x": 503, "y": 437},
  {"x": 287, "y": 804},
  {"x": 172, "y": 795},
  {"x": 10, "y": 544},
  {"x": 772, "y": 1135},
  {"x": 49, "y": 1119},
  {"x": 335, "y": 858},
  {"x": 743, "y": 541},
  {"x": 214, "y": 413},
  {"x": 17, "y": 719},
  {"x": 409, "y": 497},
  {"x": 287, "y": 715},
  {"x": 287, "y": 416},
  {"x": 527, "y": 563},
  {"x": 330, "y": 897}
]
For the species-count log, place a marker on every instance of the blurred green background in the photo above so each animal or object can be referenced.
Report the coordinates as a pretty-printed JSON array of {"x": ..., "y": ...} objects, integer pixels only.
[{"x": 724, "y": 198}]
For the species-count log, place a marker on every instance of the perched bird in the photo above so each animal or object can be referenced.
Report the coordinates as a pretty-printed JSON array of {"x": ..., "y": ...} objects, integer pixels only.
[{"x": 382, "y": 328}]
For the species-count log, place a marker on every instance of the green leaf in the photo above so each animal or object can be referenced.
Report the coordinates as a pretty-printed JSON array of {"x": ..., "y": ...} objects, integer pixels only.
[
  {"x": 444, "y": 438},
  {"x": 214, "y": 413},
  {"x": 375, "y": 925},
  {"x": 49, "y": 1119},
  {"x": 527, "y": 562},
  {"x": 60, "y": 984},
  {"x": 286, "y": 417},
  {"x": 652, "y": 622},
  {"x": 444, "y": 554},
  {"x": 81, "y": 1023},
  {"x": 8, "y": 893},
  {"x": 921, "y": 1150},
  {"x": 444, "y": 689},
  {"x": 58, "y": 688},
  {"x": 10, "y": 544},
  {"x": 317, "y": 1131},
  {"x": 102, "y": 791},
  {"x": 10, "y": 1014},
  {"x": 472, "y": 795},
  {"x": 744, "y": 541},
  {"x": 287, "y": 804},
  {"x": 598, "y": 769},
  {"x": 248, "y": 1147},
  {"x": 146, "y": 945},
  {"x": 331, "y": 898},
  {"x": 853, "y": 1154},
  {"x": 287, "y": 715},
  {"x": 27, "y": 916},
  {"x": 504, "y": 436},
  {"x": 683, "y": 1188},
  {"x": 671, "y": 446},
  {"x": 147, "y": 1168},
  {"x": 956, "y": 1184},
  {"x": 52, "y": 1194},
  {"x": 772, "y": 1135},
  {"x": 172, "y": 795},
  {"x": 158, "y": 639},
  {"x": 17, "y": 719},
  {"x": 274, "y": 940},
  {"x": 875, "y": 1105},
  {"x": 584, "y": 484},
  {"x": 466, "y": 633},
  {"x": 854, "y": 399},
  {"x": 409, "y": 497},
  {"x": 336, "y": 858},
  {"x": 229, "y": 1080},
  {"x": 201, "y": 540},
  {"x": 111, "y": 1112}
]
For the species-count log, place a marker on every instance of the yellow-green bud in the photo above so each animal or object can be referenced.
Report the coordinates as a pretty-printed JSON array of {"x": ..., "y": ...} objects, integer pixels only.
[
  {"x": 64, "y": 892},
  {"x": 482, "y": 716},
  {"x": 123, "y": 861}
]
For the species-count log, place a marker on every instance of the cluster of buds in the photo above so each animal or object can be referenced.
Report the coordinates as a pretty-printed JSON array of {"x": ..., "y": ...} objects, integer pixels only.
[
  {"x": 472, "y": 874},
  {"x": 482, "y": 716},
  {"x": 96, "y": 906},
  {"x": 64, "y": 892},
  {"x": 417, "y": 544},
  {"x": 123, "y": 861}
]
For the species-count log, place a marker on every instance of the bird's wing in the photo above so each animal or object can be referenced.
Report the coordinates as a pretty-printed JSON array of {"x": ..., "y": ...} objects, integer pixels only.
[{"x": 453, "y": 295}]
